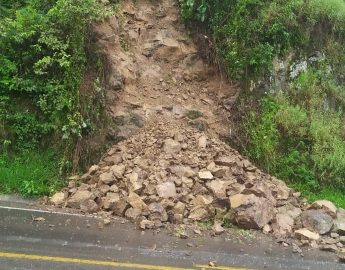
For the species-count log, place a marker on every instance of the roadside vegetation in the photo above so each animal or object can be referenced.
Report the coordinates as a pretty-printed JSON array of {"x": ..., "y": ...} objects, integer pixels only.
[
  {"x": 44, "y": 57},
  {"x": 289, "y": 57}
]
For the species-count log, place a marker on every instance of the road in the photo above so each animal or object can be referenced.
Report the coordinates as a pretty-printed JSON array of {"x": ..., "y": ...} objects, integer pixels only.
[{"x": 70, "y": 241}]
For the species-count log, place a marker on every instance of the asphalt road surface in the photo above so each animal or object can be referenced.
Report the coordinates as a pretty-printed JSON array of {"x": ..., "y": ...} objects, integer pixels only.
[{"x": 37, "y": 238}]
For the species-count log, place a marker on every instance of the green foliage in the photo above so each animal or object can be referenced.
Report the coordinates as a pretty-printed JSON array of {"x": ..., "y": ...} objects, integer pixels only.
[
  {"x": 42, "y": 62},
  {"x": 30, "y": 174},
  {"x": 298, "y": 136}
]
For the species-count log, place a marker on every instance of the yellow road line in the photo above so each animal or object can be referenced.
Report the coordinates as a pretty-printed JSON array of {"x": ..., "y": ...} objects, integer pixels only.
[
  {"x": 219, "y": 267},
  {"x": 30, "y": 257},
  {"x": 86, "y": 262}
]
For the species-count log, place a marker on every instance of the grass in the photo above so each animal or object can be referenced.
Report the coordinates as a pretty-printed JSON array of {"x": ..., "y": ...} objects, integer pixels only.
[
  {"x": 30, "y": 174},
  {"x": 327, "y": 193}
]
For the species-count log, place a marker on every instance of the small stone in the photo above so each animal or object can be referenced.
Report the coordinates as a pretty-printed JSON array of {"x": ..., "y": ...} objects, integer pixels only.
[
  {"x": 89, "y": 206},
  {"x": 205, "y": 175},
  {"x": 146, "y": 224},
  {"x": 306, "y": 234},
  {"x": 267, "y": 229},
  {"x": 331, "y": 248},
  {"x": 217, "y": 228},
  {"x": 341, "y": 255},
  {"x": 166, "y": 190},
  {"x": 197, "y": 231},
  {"x": 202, "y": 142},
  {"x": 225, "y": 161},
  {"x": 334, "y": 235},
  {"x": 135, "y": 183},
  {"x": 296, "y": 249}
]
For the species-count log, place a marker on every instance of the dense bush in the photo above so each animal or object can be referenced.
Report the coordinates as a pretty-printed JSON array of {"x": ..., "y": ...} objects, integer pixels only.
[
  {"x": 296, "y": 129},
  {"x": 42, "y": 63}
]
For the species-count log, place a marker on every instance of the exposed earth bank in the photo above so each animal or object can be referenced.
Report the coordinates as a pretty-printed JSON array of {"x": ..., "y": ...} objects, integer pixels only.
[{"x": 170, "y": 113}]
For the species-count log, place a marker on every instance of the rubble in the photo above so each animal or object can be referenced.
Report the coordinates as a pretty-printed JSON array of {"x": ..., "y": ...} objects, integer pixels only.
[{"x": 150, "y": 179}]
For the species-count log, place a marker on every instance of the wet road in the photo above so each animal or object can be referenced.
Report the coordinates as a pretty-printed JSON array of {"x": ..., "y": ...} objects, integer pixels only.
[{"x": 63, "y": 241}]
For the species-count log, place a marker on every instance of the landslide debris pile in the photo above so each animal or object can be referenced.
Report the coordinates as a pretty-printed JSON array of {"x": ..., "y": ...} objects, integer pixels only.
[{"x": 171, "y": 172}]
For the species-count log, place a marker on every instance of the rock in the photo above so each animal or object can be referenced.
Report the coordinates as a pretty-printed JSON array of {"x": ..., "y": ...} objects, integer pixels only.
[
  {"x": 342, "y": 239},
  {"x": 284, "y": 223},
  {"x": 118, "y": 170},
  {"x": 78, "y": 198},
  {"x": 220, "y": 172},
  {"x": 179, "y": 208},
  {"x": 326, "y": 206},
  {"x": 341, "y": 255},
  {"x": 135, "y": 201},
  {"x": 147, "y": 224},
  {"x": 225, "y": 161},
  {"x": 218, "y": 187},
  {"x": 58, "y": 198},
  {"x": 339, "y": 222},
  {"x": 135, "y": 183},
  {"x": 198, "y": 214},
  {"x": 330, "y": 248},
  {"x": 107, "y": 178},
  {"x": 166, "y": 190},
  {"x": 89, "y": 206},
  {"x": 133, "y": 214},
  {"x": 202, "y": 142},
  {"x": 205, "y": 175},
  {"x": 217, "y": 228},
  {"x": 306, "y": 234},
  {"x": 201, "y": 200},
  {"x": 182, "y": 171},
  {"x": 266, "y": 229},
  {"x": 251, "y": 212},
  {"x": 93, "y": 169},
  {"x": 171, "y": 146},
  {"x": 317, "y": 221},
  {"x": 157, "y": 212}
]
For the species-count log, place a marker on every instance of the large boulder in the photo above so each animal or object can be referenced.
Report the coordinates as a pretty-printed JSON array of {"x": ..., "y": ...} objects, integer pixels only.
[
  {"x": 326, "y": 206},
  {"x": 58, "y": 199},
  {"x": 80, "y": 197},
  {"x": 317, "y": 221},
  {"x": 251, "y": 212}
]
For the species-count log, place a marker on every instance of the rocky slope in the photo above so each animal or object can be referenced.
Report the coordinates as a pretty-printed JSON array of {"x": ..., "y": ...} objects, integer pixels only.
[{"x": 170, "y": 110}]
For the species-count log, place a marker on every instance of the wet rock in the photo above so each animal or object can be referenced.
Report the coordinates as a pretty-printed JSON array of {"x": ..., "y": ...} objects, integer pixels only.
[
  {"x": 306, "y": 234},
  {"x": 107, "y": 178},
  {"x": 58, "y": 198},
  {"x": 79, "y": 197},
  {"x": 171, "y": 146},
  {"x": 327, "y": 206},
  {"x": 317, "y": 221},
  {"x": 205, "y": 175},
  {"x": 166, "y": 190}
]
